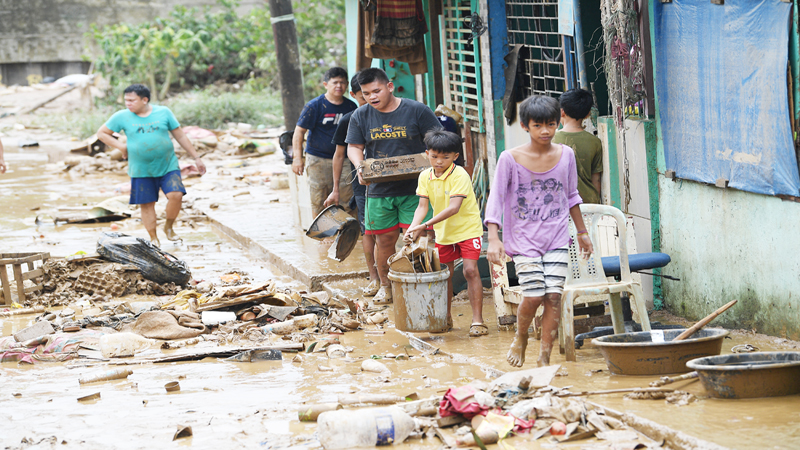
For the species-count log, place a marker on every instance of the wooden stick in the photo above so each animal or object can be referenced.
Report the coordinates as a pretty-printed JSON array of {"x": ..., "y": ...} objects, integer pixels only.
[
  {"x": 614, "y": 391},
  {"x": 703, "y": 322},
  {"x": 669, "y": 380},
  {"x": 42, "y": 103}
]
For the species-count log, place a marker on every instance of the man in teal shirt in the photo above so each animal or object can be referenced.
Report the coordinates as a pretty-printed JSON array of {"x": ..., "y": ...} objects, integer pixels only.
[{"x": 152, "y": 163}]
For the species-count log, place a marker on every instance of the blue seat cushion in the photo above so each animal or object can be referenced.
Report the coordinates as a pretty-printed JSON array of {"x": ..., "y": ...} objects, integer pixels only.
[{"x": 637, "y": 261}]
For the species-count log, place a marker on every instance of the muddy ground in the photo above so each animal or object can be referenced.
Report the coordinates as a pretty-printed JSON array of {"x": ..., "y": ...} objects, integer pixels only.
[{"x": 233, "y": 405}]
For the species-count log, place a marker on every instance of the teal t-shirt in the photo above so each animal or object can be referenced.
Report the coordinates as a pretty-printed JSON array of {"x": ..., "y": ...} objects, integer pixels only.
[{"x": 150, "y": 149}]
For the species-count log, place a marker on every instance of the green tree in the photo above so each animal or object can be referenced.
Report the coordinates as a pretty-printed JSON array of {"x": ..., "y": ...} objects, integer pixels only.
[{"x": 190, "y": 48}]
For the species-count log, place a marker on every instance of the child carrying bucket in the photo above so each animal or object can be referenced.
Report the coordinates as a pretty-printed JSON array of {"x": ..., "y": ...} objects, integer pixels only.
[
  {"x": 533, "y": 195},
  {"x": 456, "y": 220}
]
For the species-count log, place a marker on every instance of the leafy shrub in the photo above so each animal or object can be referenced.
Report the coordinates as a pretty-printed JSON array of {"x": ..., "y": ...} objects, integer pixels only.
[
  {"x": 193, "y": 49},
  {"x": 212, "y": 110}
]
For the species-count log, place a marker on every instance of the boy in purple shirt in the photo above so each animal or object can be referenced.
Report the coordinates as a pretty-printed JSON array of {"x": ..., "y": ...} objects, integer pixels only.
[{"x": 534, "y": 192}]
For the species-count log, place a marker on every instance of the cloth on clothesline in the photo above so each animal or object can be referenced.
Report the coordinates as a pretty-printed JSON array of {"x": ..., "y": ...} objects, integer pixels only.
[
  {"x": 399, "y": 23},
  {"x": 366, "y": 49}
]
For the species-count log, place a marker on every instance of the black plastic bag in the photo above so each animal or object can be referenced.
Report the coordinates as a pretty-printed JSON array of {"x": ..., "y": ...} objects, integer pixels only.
[{"x": 155, "y": 264}]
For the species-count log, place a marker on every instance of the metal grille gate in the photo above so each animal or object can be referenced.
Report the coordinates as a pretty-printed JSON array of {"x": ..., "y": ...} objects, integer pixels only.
[
  {"x": 541, "y": 67},
  {"x": 462, "y": 62}
]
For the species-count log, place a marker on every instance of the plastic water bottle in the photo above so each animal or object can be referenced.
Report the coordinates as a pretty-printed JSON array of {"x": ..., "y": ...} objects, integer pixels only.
[{"x": 363, "y": 427}]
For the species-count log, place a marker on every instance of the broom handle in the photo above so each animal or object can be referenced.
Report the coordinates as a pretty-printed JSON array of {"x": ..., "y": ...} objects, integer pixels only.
[{"x": 703, "y": 322}]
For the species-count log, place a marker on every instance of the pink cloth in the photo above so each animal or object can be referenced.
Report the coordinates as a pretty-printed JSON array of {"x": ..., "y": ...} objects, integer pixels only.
[
  {"x": 51, "y": 348},
  {"x": 461, "y": 401}
]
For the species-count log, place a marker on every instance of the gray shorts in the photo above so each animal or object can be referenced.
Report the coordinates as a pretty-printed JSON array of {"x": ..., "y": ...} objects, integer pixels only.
[
  {"x": 544, "y": 274},
  {"x": 320, "y": 181}
]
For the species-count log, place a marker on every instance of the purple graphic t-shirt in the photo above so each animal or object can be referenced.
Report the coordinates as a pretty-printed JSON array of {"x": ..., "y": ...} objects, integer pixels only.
[{"x": 532, "y": 208}]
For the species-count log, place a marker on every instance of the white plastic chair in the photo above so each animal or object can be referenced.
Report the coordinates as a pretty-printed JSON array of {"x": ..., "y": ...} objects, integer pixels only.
[{"x": 586, "y": 277}]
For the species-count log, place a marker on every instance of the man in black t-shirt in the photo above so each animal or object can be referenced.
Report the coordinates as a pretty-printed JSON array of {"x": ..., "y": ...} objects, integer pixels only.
[
  {"x": 359, "y": 190},
  {"x": 389, "y": 127}
]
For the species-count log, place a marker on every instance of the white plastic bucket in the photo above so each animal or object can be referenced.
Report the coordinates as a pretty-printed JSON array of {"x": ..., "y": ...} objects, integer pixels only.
[{"x": 420, "y": 300}]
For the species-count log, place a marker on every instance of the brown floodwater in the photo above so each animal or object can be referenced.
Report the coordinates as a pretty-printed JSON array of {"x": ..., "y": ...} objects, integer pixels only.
[{"x": 254, "y": 405}]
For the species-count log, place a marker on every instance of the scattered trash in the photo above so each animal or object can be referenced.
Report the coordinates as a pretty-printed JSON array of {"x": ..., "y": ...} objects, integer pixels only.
[
  {"x": 211, "y": 318},
  {"x": 172, "y": 386},
  {"x": 86, "y": 398},
  {"x": 336, "y": 351},
  {"x": 345, "y": 429},
  {"x": 27, "y": 143},
  {"x": 310, "y": 413},
  {"x": 370, "y": 365},
  {"x": 109, "y": 375},
  {"x": 335, "y": 221},
  {"x": 154, "y": 263},
  {"x": 120, "y": 345},
  {"x": 37, "y": 330},
  {"x": 257, "y": 355},
  {"x": 183, "y": 431}
]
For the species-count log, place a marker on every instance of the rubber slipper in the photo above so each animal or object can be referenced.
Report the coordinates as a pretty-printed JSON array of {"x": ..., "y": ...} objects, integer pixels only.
[{"x": 478, "y": 329}]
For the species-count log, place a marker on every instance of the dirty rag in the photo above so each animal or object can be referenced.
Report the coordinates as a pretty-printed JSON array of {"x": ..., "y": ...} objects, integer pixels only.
[
  {"x": 461, "y": 400},
  {"x": 50, "y": 348},
  {"x": 169, "y": 325}
]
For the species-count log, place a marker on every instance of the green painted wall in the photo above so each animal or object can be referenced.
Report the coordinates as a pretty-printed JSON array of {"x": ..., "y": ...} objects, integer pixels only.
[{"x": 727, "y": 244}]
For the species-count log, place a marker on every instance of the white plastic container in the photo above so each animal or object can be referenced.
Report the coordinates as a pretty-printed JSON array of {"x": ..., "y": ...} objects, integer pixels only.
[
  {"x": 344, "y": 429},
  {"x": 211, "y": 318}
]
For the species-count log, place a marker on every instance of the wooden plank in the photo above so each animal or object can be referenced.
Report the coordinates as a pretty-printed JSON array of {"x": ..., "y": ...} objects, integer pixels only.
[
  {"x": 20, "y": 283},
  {"x": 33, "y": 273},
  {"x": 17, "y": 255},
  {"x": 27, "y": 259},
  {"x": 33, "y": 288},
  {"x": 6, "y": 285}
]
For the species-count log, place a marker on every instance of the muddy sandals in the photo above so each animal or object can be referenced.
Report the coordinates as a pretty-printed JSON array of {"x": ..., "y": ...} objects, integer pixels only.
[
  {"x": 478, "y": 329},
  {"x": 371, "y": 289},
  {"x": 383, "y": 296}
]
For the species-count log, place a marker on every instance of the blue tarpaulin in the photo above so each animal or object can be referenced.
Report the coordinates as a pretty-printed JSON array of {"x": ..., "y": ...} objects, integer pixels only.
[{"x": 722, "y": 92}]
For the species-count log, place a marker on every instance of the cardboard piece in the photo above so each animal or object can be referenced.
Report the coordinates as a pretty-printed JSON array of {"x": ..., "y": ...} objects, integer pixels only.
[
  {"x": 394, "y": 168},
  {"x": 540, "y": 377}
]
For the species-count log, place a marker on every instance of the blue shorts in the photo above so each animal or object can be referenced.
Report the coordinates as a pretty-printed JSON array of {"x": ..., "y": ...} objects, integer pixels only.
[{"x": 145, "y": 190}]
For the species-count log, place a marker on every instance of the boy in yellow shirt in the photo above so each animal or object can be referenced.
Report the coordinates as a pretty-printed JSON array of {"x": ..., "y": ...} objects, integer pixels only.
[{"x": 456, "y": 218}]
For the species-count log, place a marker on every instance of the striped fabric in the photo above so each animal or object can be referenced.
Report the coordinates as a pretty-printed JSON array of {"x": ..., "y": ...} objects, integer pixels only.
[{"x": 544, "y": 274}]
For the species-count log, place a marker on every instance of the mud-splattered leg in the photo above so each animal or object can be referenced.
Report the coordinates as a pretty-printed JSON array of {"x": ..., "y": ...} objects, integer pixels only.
[
  {"x": 174, "y": 200},
  {"x": 550, "y": 320},
  {"x": 525, "y": 312}
]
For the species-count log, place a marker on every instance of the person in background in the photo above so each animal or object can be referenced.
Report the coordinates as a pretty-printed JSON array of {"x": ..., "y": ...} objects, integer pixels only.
[
  {"x": 152, "y": 163},
  {"x": 359, "y": 190},
  {"x": 576, "y": 106},
  {"x": 319, "y": 118}
]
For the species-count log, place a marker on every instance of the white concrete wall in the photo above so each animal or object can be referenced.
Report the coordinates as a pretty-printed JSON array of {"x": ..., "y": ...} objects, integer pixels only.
[{"x": 727, "y": 244}]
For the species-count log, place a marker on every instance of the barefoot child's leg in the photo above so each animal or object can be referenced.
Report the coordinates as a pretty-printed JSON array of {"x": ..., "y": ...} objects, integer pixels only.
[
  {"x": 550, "y": 320},
  {"x": 525, "y": 312}
]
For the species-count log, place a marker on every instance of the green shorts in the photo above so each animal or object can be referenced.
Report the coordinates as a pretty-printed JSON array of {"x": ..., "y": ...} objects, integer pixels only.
[{"x": 386, "y": 214}]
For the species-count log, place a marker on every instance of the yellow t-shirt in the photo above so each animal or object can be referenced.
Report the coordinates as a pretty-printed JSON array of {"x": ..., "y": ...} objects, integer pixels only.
[{"x": 454, "y": 182}]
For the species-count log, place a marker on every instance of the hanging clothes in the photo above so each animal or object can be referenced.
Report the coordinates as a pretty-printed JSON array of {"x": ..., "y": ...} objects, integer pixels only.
[
  {"x": 399, "y": 23},
  {"x": 368, "y": 22}
]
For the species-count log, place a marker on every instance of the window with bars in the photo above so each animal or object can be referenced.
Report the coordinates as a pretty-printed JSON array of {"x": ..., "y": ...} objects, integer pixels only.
[
  {"x": 462, "y": 61},
  {"x": 541, "y": 68}
]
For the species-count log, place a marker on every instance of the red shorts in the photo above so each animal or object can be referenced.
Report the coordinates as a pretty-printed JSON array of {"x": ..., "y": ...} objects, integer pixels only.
[{"x": 469, "y": 249}]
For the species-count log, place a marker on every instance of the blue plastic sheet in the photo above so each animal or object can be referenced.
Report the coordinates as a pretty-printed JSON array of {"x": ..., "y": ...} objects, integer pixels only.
[{"x": 722, "y": 92}]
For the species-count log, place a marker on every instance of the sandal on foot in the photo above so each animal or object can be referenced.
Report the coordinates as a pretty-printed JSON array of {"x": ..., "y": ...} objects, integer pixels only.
[
  {"x": 383, "y": 296},
  {"x": 371, "y": 289},
  {"x": 478, "y": 329}
]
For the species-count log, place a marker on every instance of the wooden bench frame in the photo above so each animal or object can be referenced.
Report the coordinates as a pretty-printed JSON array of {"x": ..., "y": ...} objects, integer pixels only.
[{"x": 16, "y": 261}]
